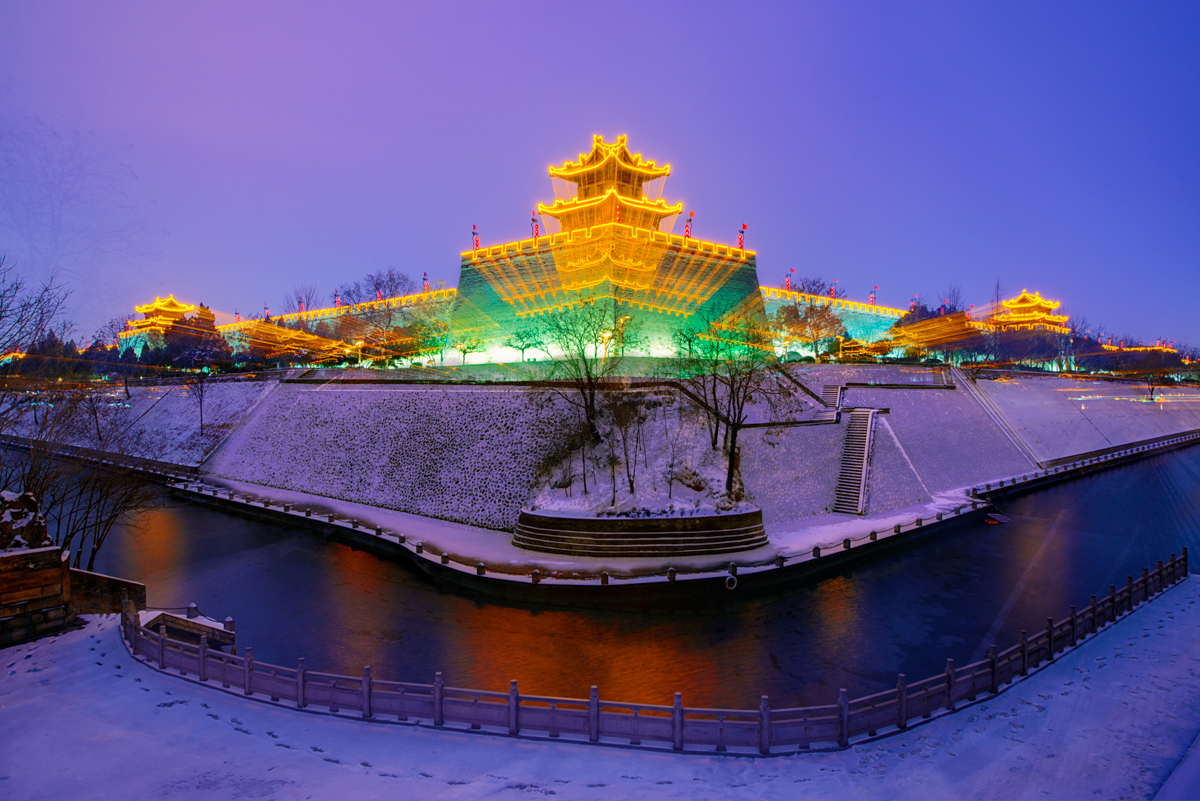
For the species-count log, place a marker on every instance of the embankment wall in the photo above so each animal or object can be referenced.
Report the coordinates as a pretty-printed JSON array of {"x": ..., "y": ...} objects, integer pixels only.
[
  {"x": 167, "y": 419},
  {"x": 466, "y": 454},
  {"x": 1060, "y": 418},
  {"x": 471, "y": 454}
]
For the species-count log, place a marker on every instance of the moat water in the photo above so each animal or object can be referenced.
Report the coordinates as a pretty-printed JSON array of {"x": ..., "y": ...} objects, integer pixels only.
[{"x": 947, "y": 595}]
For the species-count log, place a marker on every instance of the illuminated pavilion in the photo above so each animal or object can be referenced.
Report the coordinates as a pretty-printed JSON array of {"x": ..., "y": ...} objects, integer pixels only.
[
  {"x": 1029, "y": 312},
  {"x": 609, "y": 241},
  {"x": 158, "y": 318}
]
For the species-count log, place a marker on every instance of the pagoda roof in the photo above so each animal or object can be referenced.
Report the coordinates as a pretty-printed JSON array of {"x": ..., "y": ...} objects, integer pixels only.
[
  {"x": 575, "y": 204},
  {"x": 602, "y": 153},
  {"x": 1025, "y": 302},
  {"x": 168, "y": 306}
]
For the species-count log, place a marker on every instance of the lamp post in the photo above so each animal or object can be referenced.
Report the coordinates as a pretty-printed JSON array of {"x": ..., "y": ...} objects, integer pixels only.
[
  {"x": 607, "y": 335},
  {"x": 359, "y": 345},
  {"x": 840, "y": 339},
  {"x": 621, "y": 334}
]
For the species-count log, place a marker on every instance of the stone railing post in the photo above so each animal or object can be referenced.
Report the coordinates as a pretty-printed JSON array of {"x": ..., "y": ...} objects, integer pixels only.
[
  {"x": 202, "y": 667},
  {"x": 1129, "y": 591},
  {"x": 301, "y": 701},
  {"x": 1024, "y": 643},
  {"x": 950, "y": 685},
  {"x": 1183, "y": 558},
  {"x": 1074, "y": 627},
  {"x": 594, "y": 715},
  {"x": 1049, "y": 638},
  {"x": 843, "y": 718},
  {"x": 514, "y": 703},
  {"x": 994, "y": 664},
  {"x": 764, "y": 726},
  {"x": 1145, "y": 584},
  {"x": 437, "y": 699},
  {"x": 1093, "y": 625},
  {"x": 1158, "y": 577},
  {"x": 162, "y": 646},
  {"x": 247, "y": 671},
  {"x": 677, "y": 723},
  {"x": 902, "y": 705},
  {"x": 366, "y": 691}
]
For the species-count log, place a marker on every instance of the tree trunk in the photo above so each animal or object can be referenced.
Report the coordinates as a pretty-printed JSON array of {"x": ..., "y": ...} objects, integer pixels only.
[
  {"x": 732, "y": 432},
  {"x": 583, "y": 464},
  {"x": 612, "y": 465}
]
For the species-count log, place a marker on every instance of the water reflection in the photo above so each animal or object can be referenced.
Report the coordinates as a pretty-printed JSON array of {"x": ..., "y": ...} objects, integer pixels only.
[{"x": 294, "y": 594}]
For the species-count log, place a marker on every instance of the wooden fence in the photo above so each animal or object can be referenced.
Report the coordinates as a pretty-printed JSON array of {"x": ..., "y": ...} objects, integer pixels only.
[{"x": 594, "y": 719}]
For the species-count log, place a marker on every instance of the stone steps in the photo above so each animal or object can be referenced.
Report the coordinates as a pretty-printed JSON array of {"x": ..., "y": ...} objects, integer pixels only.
[
  {"x": 851, "y": 492},
  {"x": 633, "y": 537}
]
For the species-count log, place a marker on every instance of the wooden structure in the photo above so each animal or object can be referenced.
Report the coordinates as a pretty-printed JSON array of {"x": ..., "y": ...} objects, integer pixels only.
[{"x": 764, "y": 730}]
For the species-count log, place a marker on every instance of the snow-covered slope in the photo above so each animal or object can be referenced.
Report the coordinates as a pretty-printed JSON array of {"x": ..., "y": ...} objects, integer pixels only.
[{"x": 465, "y": 454}]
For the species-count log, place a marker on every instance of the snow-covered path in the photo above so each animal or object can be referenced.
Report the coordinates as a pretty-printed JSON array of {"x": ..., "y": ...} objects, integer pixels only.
[{"x": 81, "y": 719}]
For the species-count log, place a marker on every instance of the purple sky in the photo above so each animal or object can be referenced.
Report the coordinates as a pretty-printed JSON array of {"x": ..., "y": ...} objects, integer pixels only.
[{"x": 1052, "y": 146}]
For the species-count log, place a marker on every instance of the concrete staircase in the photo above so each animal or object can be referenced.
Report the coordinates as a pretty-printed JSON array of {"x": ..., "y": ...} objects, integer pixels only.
[
  {"x": 850, "y": 497},
  {"x": 831, "y": 396}
]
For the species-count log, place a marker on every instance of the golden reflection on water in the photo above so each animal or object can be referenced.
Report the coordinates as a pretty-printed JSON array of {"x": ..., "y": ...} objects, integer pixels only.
[
  {"x": 562, "y": 653},
  {"x": 155, "y": 551}
]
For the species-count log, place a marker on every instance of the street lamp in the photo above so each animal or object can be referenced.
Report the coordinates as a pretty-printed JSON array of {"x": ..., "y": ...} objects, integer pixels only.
[
  {"x": 839, "y": 339},
  {"x": 621, "y": 333},
  {"x": 607, "y": 335},
  {"x": 359, "y": 345}
]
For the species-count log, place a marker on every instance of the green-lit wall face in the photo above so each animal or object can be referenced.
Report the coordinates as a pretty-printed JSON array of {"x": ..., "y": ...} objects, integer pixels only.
[{"x": 662, "y": 283}]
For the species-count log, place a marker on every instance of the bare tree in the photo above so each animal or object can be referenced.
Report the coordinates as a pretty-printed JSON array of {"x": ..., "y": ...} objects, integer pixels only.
[
  {"x": 816, "y": 285},
  {"x": 627, "y": 413},
  {"x": 380, "y": 285},
  {"x": 952, "y": 298},
  {"x": 302, "y": 298},
  {"x": 468, "y": 344},
  {"x": 198, "y": 385},
  {"x": 525, "y": 338},
  {"x": 110, "y": 331},
  {"x": 816, "y": 323},
  {"x": 28, "y": 312},
  {"x": 585, "y": 344},
  {"x": 83, "y": 500},
  {"x": 429, "y": 334},
  {"x": 734, "y": 370}
]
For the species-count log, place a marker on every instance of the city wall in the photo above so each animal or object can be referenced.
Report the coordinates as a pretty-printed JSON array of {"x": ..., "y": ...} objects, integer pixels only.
[{"x": 471, "y": 454}]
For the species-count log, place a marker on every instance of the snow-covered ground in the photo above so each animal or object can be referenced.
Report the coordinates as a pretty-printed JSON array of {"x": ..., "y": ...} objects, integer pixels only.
[
  {"x": 1059, "y": 417},
  {"x": 1111, "y": 719}
]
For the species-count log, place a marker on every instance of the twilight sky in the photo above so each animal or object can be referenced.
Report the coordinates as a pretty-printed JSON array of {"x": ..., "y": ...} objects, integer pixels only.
[{"x": 254, "y": 147}]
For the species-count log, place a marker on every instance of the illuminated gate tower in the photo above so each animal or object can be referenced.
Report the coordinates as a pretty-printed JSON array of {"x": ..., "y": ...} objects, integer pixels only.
[{"x": 611, "y": 243}]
